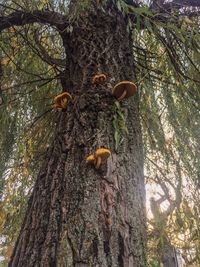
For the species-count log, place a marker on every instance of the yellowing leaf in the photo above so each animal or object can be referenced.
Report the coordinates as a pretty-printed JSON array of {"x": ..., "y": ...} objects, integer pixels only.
[
  {"x": 5, "y": 60},
  {"x": 2, "y": 218}
]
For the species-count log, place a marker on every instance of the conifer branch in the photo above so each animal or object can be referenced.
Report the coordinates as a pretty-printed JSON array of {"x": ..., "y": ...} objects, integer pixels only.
[{"x": 20, "y": 18}]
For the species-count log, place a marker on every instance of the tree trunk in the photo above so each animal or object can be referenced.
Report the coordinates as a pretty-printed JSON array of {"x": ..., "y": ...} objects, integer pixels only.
[
  {"x": 78, "y": 215},
  {"x": 167, "y": 254}
]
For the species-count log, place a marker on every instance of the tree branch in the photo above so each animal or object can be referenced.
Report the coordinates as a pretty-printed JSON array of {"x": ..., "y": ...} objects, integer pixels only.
[
  {"x": 20, "y": 18},
  {"x": 183, "y": 3},
  {"x": 44, "y": 54},
  {"x": 187, "y": 7}
]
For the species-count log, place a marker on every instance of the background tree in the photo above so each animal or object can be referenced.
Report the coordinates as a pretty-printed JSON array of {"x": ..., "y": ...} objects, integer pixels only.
[
  {"x": 76, "y": 215},
  {"x": 173, "y": 222}
]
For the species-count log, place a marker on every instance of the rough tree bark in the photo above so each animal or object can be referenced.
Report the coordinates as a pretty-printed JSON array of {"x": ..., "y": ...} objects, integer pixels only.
[{"x": 77, "y": 215}]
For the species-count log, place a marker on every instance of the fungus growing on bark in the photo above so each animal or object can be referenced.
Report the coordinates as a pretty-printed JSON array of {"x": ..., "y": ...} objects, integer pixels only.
[
  {"x": 91, "y": 159},
  {"x": 61, "y": 100},
  {"x": 99, "y": 78},
  {"x": 124, "y": 89},
  {"x": 100, "y": 155}
]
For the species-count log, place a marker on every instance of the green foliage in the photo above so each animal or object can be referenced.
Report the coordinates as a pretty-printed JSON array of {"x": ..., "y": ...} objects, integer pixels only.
[
  {"x": 79, "y": 8},
  {"x": 167, "y": 65},
  {"x": 168, "y": 89},
  {"x": 153, "y": 263},
  {"x": 120, "y": 129},
  {"x": 122, "y": 6},
  {"x": 28, "y": 86}
]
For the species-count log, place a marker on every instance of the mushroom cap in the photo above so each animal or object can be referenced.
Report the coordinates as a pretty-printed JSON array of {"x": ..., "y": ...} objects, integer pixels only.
[
  {"x": 99, "y": 78},
  {"x": 127, "y": 86},
  {"x": 90, "y": 159},
  {"x": 104, "y": 153},
  {"x": 61, "y": 96}
]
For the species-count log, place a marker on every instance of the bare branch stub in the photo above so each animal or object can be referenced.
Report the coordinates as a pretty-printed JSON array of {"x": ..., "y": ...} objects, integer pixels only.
[{"x": 20, "y": 18}]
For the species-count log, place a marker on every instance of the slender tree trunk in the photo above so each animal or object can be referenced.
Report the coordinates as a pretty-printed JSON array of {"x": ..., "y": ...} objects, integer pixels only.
[
  {"x": 77, "y": 215},
  {"x": 165, "y": 250},
  {"x": 168, "y": 256}
]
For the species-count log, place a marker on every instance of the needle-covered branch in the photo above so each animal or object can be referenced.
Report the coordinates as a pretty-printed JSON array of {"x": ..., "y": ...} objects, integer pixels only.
[
  {"x": 177, "y": 4},
  {"x": 184, "y": 3},
  {"x": 186, "y": 7},
  {"x": 44, "y": 54},
  {"x": 20, "y": 18}
]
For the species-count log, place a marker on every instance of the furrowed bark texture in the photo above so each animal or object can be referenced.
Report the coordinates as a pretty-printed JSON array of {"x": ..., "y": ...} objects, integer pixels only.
[{"x": 77, "y": 215}]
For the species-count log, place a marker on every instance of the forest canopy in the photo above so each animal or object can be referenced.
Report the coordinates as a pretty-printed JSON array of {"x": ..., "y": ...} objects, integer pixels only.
[{"x": 166, "y": 59}]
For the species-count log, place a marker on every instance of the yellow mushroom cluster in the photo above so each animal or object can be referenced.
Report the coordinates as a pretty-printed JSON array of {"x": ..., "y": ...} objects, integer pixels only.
[
  {"x": 102, "y": 154},
  {"x": 99, "y": 78},
  {"x": 61, "y": 101},
  {"x": 120, "y": 91}
]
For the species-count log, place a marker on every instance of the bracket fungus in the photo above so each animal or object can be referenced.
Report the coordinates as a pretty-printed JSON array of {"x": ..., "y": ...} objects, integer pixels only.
[
  {"x": 99, "y": 78},
  {"x": 124, "y": 89},
  {"x": 61, "y": 100},
  {"x": 100, "y": 155}
]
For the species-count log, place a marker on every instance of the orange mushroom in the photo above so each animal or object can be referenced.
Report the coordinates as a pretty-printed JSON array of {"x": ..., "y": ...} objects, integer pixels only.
[
  {"x": 61, "y": 100},
  {"x": 91, "y": 159},
  {"x": 99, "y": 78},
  {"x": 124, "y": 89},
  {"x": 101, "y": 155}
]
